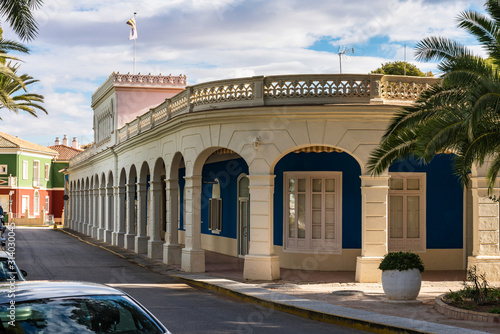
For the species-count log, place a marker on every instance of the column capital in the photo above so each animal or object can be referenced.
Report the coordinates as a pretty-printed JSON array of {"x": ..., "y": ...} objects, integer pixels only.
[
  {"x": 155, "y": 184},
  {"x": 192, "y": 177},
  {"x": 193, "y": 181},
  {"x": 261, "y": 180},
  {"x": 141, "y": 186}
]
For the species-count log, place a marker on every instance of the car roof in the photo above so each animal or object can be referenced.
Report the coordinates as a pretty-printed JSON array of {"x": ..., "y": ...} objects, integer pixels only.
[
  {"x": 4, "y": 254},
  {"x": 34, "y": 290}
]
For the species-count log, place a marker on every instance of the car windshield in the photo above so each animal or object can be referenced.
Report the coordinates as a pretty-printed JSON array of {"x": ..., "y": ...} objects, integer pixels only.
[
  {"x": 7, "y": 270},
  {"x": 94, "y": 314}
]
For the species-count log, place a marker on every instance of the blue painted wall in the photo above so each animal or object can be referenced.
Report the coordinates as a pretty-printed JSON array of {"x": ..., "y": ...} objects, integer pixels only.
[
  {"x": 444, "y": 201},
  {"x": 351, "y": 192},
  {"x": 227, "y": 172}
]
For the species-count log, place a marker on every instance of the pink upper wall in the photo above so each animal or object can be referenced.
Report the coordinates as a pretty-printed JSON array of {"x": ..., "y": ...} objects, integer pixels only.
[{"x": 133, "y": 102}]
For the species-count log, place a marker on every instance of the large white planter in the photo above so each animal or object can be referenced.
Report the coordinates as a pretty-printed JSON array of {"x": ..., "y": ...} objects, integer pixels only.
[{"x": 401, "y": 285}]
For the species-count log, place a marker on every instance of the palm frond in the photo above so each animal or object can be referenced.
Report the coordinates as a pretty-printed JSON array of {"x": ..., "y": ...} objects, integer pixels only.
[
  {"x": 19, "y": 15},
  {"x": 483, "y": 28},
  {"x": 396, "y": 147},
  {"x": 439, "y": 49},
  {"x": 493, "y": 171}
]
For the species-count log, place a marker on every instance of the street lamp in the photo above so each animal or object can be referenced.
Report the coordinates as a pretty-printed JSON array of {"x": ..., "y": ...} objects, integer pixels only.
[{"x": 10, "y": 200}]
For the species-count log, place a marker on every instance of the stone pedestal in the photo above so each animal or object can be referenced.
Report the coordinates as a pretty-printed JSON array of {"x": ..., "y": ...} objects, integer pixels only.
[
  {"x": 130, "y": 241},
  {"x": 367, "y": 269},
  {"x": 261, "y": 267},
  {"x": 119, "y": 239},
  {"x": 108, "y": 236},
  {"x": 100, "y": 234},
  {"x": 155, "y": 249},
  {"x": 193, "y": 260},
  {"x": 172, "y": 254},
  {"x": 141, "y": 245},
  {"x": 487, "y": 265}
]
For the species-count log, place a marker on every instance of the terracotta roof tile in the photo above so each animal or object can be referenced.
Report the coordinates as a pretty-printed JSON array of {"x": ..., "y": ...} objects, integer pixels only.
[
  {"x": 65, "y": 152},
  {"x": 8, "y": 141}
]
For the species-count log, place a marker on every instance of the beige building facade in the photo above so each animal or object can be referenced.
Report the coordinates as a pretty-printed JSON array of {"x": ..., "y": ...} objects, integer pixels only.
[{"x": 272, "y": 169}]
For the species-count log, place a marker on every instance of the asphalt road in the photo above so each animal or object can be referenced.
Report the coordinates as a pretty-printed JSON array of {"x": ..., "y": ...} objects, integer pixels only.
[{"x": 54, "y": 255}]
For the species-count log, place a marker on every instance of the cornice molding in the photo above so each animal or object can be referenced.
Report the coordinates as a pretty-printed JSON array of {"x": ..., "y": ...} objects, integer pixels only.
[{"x": 138, "y": 81}]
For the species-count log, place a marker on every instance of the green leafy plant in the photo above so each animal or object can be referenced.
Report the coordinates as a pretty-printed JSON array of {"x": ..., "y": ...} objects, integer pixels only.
[
  {"x": 475, "y": 293},
  {"x": 476, "y": 286},
  {"x": 495, "y": 310},
  {"x": 401, "y": 261}
]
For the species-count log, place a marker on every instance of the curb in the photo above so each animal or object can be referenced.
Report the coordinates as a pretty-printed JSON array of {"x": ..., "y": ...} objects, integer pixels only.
[
  {"x": 339, "y": 320},
  {"x": 462, "y": 314}
]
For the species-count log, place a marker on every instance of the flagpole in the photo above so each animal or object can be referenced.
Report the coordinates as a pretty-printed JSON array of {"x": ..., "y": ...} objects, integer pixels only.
[{"x": 134, "y": 44}]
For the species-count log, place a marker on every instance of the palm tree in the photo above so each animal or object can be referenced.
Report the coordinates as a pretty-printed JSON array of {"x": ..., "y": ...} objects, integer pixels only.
[
  {"x": 13, "y": 95},
  {"x": 13, "y": 88},
  {"x": 461, "y": 114},
  {"x": 19, "y": 14}
]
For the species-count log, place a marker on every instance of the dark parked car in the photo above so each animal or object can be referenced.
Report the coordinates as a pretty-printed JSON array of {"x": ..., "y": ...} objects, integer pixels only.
[
  {"x": 72, "y": 307},
  {"x": 9, "y": 269}
]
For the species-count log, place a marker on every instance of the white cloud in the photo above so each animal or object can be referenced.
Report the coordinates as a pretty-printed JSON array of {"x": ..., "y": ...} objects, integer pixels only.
[{"x": 82, "y": 42}]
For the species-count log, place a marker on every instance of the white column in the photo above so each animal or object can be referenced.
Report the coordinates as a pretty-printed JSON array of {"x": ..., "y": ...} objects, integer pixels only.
[
  {"x": 193, "y": 256},
  {"x": 109, "y": 215},
  {"x": 101, "y": 213},
  {"x": 130, "y": 219},
  {"x": 374, "y": 227},
  {"x": 261, "y": 263},
  {"x": 155, "y": 244},
  {"x": 90, "y": 217},
  {"x": 141, "y": 240},
  {"x": 172, "y": 248},
  {"x": 485, "y": 212},
  {"x": 80, "y": 210},
  {"x": 85, "y": 211},
  {"x": 73, "y": 209},
  {"x": 72, "y": 198},
  {"x": 95, "y": 212},
  {"x": 119, "y": 205}
]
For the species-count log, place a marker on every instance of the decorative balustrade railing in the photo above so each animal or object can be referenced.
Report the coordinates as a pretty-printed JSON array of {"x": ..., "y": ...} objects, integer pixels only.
[
  {"x": 308, "y": 89},
  {"x": 321, "y": 88},
  {"x": 9, "y": 181}
]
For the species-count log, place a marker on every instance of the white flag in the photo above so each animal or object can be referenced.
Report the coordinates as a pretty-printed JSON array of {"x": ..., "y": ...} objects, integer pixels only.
[{"x": 133, "y": 30}]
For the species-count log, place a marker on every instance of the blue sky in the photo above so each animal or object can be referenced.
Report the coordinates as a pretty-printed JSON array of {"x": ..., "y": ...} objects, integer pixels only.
[{"x": 80, "y": 43}]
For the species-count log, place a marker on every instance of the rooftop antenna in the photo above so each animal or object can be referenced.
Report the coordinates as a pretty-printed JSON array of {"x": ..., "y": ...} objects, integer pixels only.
[{"x": 342, "y": 53}]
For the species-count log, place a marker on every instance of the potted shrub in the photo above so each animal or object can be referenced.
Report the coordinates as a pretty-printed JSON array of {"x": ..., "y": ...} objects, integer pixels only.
[{"x": 401, "y": 275}]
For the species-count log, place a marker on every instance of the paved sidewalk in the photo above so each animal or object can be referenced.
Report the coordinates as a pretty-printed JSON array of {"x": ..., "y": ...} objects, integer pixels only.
[{"x": 325, "y": 296}]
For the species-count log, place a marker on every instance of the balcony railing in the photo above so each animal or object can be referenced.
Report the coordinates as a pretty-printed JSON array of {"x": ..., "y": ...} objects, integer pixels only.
[
  {"x": 310, "y": 89},
  {"x": 8, "y": 181}
]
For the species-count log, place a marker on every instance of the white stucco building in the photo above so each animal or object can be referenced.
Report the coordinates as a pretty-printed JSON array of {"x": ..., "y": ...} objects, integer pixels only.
[{"x": 272, "y": 169}]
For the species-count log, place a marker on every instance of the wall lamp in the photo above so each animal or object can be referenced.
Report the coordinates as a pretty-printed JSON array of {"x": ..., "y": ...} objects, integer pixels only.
[{"x": 256, "y": 142}]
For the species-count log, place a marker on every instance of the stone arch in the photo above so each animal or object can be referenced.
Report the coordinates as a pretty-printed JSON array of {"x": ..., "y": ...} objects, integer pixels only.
[
  {"x": 311, "y": 149},
  {"x": 331, "y": 179},
  {"x": 212, "y": 165}
]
